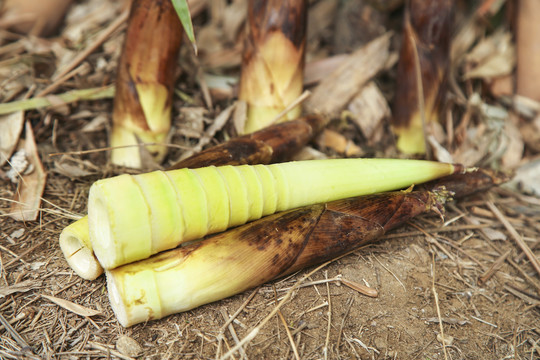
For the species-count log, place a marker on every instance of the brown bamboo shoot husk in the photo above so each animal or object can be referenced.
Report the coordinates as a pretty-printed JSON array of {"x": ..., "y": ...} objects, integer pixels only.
[{"x": 144, "y": 84}]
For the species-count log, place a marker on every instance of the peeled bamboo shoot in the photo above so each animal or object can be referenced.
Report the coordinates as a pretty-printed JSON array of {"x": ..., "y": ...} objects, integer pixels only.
[
  {"x": 272, "y": 144},
  {"x": 132, "y": 217}
]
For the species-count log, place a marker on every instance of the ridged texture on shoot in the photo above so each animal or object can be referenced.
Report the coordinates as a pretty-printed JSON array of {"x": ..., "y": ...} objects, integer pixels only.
[
  {"x": 145, "y": 80},
  {"x": 273, "y": 60},
  {"x": 132, "y": 217}
]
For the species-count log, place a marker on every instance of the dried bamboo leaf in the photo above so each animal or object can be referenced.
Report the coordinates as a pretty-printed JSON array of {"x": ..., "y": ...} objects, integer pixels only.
[
  {"x": 528, "y": 49},
  {"x": 71, "y": 306},
  {"x": 492, "y": 57},
  {"x": 27, "y": 199},
  {"x": 11, "y": 126},
  {"x": 33, "y": 17},
  {"x": 21, "y": 287},
  {"x": 335, "y": 91},
  {"x": 367, "y": 110}
]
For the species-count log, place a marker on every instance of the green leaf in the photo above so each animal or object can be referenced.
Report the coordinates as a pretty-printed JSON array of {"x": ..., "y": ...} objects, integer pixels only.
[{"x": 182, "y": 10}]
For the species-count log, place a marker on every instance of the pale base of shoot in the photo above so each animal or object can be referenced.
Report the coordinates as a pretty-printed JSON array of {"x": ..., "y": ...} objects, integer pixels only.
[{"x": 126, "y": 146}]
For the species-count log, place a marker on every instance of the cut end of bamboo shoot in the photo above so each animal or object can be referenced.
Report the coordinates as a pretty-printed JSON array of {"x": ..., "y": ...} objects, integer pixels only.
[
  {"x": 126, "y": 317},
  {"x": 77, "y": 249},
  {"x": 119, "y": 229}
]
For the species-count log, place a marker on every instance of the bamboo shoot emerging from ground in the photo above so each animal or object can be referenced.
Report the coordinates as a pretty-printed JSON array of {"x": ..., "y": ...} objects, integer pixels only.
[
  {"x": 424, "y": 56},
  {"x": 132, "y": 217},
  {"x": 273, "y": 60},
  {"x": 229, "y": 263},
  {"x": 145, "y": 80}
]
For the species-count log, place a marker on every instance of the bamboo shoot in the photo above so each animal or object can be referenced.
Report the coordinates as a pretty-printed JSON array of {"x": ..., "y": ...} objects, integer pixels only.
[
  {"x": 145, "y": 80},
  {"x": 273, "y": 61},
  {"x": 422, "y": 71}
]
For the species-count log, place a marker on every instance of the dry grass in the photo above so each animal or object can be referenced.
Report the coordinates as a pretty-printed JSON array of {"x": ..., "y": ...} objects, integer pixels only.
[{"x": 463, "y": 289}]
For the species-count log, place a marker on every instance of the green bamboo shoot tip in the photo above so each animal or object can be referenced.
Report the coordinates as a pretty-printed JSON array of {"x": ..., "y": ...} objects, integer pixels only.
[
  {"x": 134, "y": 217},
  {"x": 77, "y": 249}
]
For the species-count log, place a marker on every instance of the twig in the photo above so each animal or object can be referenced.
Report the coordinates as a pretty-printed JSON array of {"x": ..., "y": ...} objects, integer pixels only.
[
  {"x": 524, "y": 247},
  {"x": 81, "y": 69},
  {"x": 255, "y": 331},
  {"x": 15, "y": 335},
  {"x": 483, "y": 321},
  {"x": 494, "y": 267},
  {"x": 438, "y": 309},
  {"x": 528, "y": 298},
  {"x": 83, "y": 152},
  {"x": 218, "y": 124},
  {"x": 394, "y": 275},
  {"x": 239, "y": 310},
  {"x": 291, "y": 106},
  {"x": 525, "y": 275},
  {"x": 439, "y": 230},
  {"x": 289, "y": 335},
  {"x": 350, "y": 302},
  {"x": 231, "y": 319},
  {"x": 434, "y": 241},
  {"x": 109, "y": 351},
  {"x": 329, "y": 312},
  {"x": 362, "y": 289},
  {"x": 6, "y": 266},
  {"x": 233, "y": 332}
]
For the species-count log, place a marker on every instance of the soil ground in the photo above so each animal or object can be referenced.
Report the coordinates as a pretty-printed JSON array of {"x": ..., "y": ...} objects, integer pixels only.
[{"x": 427, "y": 273}]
